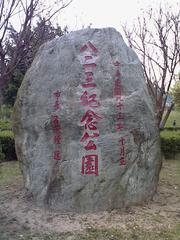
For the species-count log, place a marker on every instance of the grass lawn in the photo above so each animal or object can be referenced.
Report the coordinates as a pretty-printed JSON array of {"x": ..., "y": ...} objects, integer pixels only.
[
  {"x": 9, "y": 172},
  {"x": 158, "y": 220},
  {"x": 174, "y": 115}
]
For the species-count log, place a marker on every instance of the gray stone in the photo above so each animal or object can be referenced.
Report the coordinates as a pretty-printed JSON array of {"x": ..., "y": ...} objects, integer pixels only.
[{"x": 112, "y": 111}]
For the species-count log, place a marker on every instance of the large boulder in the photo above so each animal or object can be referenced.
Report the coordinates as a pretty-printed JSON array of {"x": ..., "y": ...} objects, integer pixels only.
[{"x": 85, "y": 126}]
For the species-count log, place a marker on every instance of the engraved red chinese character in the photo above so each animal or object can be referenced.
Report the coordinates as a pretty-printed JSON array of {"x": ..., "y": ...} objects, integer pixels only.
[
  {"x": 89, "y": 76},
  {"x": 119, "y": 126},
  {"x": 57, "y": 139},
  {"x": 120, "y": 116},
  {"x": 117, "y": 64},
  {"x": 122, "y": 141},
  {"x": 90, "y": 46},
  {"x": 118, "y": 74},
  {"x": 122, "y": 151},
  {"x": 90, "y": 164},
  {"x": 88, "y": 57},
  {"x": 90, "y": 116},
  {"x": 55, "y": 123},
  {"x": 55, "y": 120},
  {"x": 117, "y": 88},
  {"x": 56, "y": 105},
  {"x": 122, "y": 161},
  {"x": 86, "y": 136},
  {"x": 89, "y": 65},
  {"x": 90, "y": 101},
  {"x": 119, "y": 105},
  {"x": 57, "y": 155},
  {"x": 57, "y": 94},
  {"x": 90, "y": 146},
  {"x": 88, "y": 85}
]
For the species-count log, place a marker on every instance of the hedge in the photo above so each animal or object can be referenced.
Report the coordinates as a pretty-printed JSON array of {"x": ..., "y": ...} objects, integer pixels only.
[
  {"x": 5, "y": 125},
  {"x": 7, "y": 147},
  {"x": 170, "y": 143}
]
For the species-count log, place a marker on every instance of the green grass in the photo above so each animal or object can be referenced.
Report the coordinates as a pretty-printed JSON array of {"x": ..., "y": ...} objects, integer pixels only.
[
  {"x": 170, "y": 174},
  {"x": 133, "y": 233},
  {"x": 174, "y": 115},
  {"x": 177, "y": 230},
  {"x": 170, "y": 134},
  {"x": 9, "y": 172}
]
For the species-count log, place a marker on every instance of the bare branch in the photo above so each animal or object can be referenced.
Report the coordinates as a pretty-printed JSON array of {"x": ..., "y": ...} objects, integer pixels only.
[
  {"x": 29, "y": 11},
  {"x": 156, "y": 40}
]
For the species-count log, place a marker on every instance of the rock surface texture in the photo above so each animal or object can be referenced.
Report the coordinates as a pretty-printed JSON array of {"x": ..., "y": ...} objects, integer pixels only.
[{"x": 85, "y": 126}]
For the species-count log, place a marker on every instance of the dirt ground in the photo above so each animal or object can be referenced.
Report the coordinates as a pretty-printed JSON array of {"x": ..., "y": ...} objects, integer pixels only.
[{"x": 159, "y": 219}]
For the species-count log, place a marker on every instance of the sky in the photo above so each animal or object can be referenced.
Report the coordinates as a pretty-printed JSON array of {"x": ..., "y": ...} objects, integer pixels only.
[{"x": 104, "y": 13}]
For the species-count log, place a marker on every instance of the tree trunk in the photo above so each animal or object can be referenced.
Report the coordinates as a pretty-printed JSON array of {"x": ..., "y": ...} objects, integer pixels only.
[{"x": 163, "y": 122}]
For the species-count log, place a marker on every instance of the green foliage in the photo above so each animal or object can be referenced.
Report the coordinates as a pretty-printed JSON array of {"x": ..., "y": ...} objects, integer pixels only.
[
  {"x": 9, "y": 172},
  {"x": 42, "y": 32},
  {"x": 2, "y": 155},
  {"x": 175, "y": 91},
  {"x": 170, "y": 143},
  {"x": 10, "y": 91},
  {"x": 5, "y": 125},
  {"x": 5, "y": 112},
  {"x": 7, "y": 147}
]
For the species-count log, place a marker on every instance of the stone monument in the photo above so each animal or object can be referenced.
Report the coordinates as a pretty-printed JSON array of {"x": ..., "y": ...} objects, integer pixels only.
[{"x": 85, "y": 127}]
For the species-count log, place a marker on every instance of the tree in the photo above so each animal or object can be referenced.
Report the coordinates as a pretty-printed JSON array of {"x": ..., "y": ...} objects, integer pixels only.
[
  {"x": 155, "y": 39},
  {"x": 42, "y": 32},
  {"x": 175, "y": 91},
  {"x": 16, "y": 45},
  {"x": 9, "y": 92}
]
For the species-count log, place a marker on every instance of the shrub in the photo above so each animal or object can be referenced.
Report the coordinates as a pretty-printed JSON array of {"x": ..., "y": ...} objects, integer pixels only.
[
  {"x": 170, "y": 143},
  {"x": 2, "y": 156},
  {"x": 5, "y": 112},
  {"x": 5, "y": 125},
  {"x": 7, "y": 146}
]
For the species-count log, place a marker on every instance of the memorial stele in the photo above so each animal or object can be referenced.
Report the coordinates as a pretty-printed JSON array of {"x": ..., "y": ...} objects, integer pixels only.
[{"x": 85, "y": 125}]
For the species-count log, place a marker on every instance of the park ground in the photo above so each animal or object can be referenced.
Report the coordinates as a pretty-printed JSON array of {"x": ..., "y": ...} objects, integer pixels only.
[
  {"x": 159, "y": 219},
  {"x": 175, "y": 115}
]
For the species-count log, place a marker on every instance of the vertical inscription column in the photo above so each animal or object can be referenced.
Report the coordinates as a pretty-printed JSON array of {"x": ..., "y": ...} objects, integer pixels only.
[
  {"x": 56, "y": 126},
  {"x": 119, "y": 117},
  {"x": 90, "y": 102}
]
